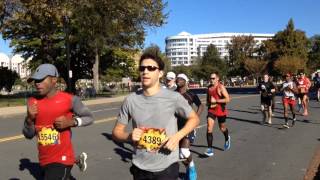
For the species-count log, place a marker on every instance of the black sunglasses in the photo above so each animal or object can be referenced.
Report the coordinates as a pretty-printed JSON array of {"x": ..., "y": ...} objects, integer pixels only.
[
  {"x": 150, "y": 68},
  {"x": 39, "y": 80}
]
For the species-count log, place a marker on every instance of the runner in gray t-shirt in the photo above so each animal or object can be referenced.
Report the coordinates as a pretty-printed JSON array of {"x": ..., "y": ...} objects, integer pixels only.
[{"x": 155, "y": 133}]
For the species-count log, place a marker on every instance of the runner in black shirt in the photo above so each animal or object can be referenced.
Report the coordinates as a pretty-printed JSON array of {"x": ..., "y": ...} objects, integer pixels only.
[
  {"x": 266, "y": 89},
  {"x": 185, "y": 153}
]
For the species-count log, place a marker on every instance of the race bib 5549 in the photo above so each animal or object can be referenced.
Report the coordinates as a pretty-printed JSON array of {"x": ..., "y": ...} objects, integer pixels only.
[{"x": 48, "y": 136}]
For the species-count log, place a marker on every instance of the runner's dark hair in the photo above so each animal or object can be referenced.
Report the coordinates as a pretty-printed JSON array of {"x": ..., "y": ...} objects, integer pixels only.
[{"x": 156, "y": 58}]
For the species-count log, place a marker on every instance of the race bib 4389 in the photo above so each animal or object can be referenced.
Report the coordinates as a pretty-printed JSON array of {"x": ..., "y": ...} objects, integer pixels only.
[
  {"x": 152, "y": 139},
  {"x": 48, "y": 136}
]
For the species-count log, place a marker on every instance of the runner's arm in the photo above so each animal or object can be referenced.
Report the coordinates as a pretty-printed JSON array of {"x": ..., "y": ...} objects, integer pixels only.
[
  {"x": 208, "y": 98},
  {"x": 120, "y": 134},
  {"x": 198, "y": 103},
  {"x": 191, "y": 124},
  {"x": 184, "y": 110},
  {"x": 225, "y": 94},
  {"x": 28, "y": 129},
  {"x": 83, "y": 115}
]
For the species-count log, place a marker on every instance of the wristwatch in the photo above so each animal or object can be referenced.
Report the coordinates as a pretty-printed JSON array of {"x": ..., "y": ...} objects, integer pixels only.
[{"x": 76, "y": 122}]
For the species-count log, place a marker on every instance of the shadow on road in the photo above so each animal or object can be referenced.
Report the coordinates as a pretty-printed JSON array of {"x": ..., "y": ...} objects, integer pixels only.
[
  {"x": 307, "y": 121},
  {"x": 245, "y": 120},
  {"x": 182, "y": 175},
  {"x": 33, "y": 168},
  {"x": 201, "y": 154},
  {"x": 251, "y": 112},
  {"x": 124, "y": 152}
]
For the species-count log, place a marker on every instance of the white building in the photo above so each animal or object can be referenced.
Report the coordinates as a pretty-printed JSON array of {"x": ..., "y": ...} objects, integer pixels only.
[
  {"x": 15, "y": 63},
  {"x": 184, "y": 48}
]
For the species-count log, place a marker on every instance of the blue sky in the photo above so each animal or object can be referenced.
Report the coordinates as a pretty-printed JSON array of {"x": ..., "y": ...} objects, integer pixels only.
[{"x": 213, "y": 16}]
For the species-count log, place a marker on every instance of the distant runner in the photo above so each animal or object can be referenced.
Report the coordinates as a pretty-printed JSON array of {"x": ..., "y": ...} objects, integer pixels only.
[
  {"x": 217, "y": 98},
  {"x": 171, "y": 81},
  {"x": 289, "y": 89},
  {"x": 303, "y": 85},
  {"x": 316, "y": 84},
  {"x": 266, "y": 89},
  {"x": 182, "y": 83}
]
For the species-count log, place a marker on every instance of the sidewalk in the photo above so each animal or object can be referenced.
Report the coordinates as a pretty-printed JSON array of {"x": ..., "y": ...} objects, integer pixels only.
[{"x": 7, "y": 111}]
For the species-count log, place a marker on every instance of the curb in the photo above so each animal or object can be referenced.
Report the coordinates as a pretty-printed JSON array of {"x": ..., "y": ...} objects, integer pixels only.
[
  {"x": 7, "y": 111},
  {"x": 313, "y": 171}
]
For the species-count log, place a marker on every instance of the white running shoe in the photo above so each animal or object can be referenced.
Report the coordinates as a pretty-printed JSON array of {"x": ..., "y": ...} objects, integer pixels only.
[{"x": 82, "y": 164}]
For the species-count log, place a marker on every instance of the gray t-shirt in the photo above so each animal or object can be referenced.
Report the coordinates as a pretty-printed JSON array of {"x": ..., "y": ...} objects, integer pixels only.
[{"x": 157, "y": 111}]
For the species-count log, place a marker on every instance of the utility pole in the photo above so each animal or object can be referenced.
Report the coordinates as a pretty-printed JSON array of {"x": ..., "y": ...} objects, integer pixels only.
[{"x": 66, "y": 22}]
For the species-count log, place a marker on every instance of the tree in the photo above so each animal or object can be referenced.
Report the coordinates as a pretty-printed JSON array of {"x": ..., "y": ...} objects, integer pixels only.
[
  {"x": 290, "y": 64},
  {"x": 291, "y": 42},
  {"x": 41, "y": 29},
  {"x": 36, "y": 30},
  {"x": 288, "y": 42},
  {"x": 118, "y": 63},
  {"x": 314, "y": 54},
  {"x": 187, "y": 70},
  {"x": 8, "y": 78},
  {"x": 255, "y": 67},
  {"x": 241, "y": 48},
  {"x": 210, "y": 62},
  {"x": 116, "y": 23}
]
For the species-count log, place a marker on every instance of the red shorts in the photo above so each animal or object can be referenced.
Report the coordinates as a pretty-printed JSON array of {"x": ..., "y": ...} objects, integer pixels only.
[{"x": 289, "y": 101}]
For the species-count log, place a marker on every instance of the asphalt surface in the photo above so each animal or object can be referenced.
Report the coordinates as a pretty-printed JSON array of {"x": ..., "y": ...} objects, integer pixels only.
[{"x": 258, "y": 152}]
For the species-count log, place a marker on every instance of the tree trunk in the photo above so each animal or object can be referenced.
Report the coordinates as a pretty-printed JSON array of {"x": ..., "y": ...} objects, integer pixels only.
[{"x": 95, "y": 71}]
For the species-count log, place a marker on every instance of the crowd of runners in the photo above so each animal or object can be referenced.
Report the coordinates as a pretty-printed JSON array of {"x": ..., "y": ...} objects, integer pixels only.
[
  {"x": 295, "y": 96},
  {"x": 163, "y": 119}
]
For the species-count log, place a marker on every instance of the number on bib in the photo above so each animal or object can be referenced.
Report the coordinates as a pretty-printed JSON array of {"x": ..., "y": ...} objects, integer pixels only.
[{"x": 152, "y": 139}]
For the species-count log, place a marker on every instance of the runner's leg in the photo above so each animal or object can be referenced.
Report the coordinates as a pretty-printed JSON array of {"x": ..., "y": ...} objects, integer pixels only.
[{"x": 57, "y": 171}]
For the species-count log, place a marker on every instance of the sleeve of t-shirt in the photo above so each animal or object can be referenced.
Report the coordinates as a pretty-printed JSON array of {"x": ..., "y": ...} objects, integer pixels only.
[
  {"x": 196, "y": 100},
  {"x": 183, "y": 109},
  {"x": 82, "y": 112},
  {"x": 272, "y": 86},
  {"x": 259, "y": 87},
  {"x": 124, "y": 114}
]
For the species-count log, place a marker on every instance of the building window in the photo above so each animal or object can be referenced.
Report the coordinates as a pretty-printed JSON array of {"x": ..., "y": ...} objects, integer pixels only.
[{"x": 185, "y": 62}]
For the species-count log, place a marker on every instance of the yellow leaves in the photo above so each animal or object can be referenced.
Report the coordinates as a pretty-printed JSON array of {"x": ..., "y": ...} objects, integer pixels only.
[
  {"x": 255, "y": 66},
  {"x": 290, "y": 64}
]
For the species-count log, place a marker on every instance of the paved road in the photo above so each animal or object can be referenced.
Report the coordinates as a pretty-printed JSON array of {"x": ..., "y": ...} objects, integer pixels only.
[{"x": 257, "y": 152}]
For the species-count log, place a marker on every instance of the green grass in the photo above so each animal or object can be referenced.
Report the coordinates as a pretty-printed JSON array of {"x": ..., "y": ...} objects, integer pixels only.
[
  {"x": 9, "y": 102},
  {"x": 20, "y": 100}
]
